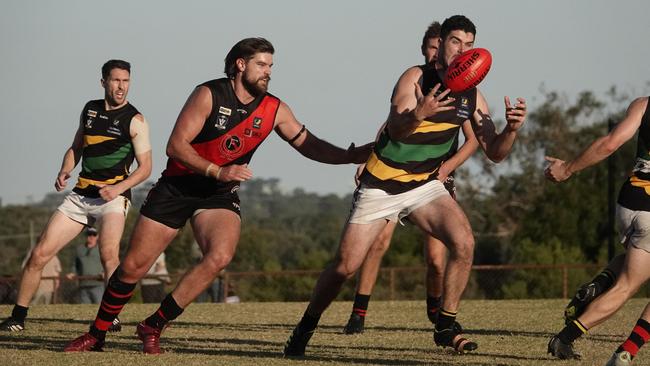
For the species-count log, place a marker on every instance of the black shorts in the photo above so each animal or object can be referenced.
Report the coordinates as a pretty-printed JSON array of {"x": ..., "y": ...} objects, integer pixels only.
[{"x": 173, "y": 200}]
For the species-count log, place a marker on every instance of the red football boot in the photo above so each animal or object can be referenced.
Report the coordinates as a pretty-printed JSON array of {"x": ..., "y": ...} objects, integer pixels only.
[
  {"x": 150, "y": 338},
  {"x": 85, "y": 343}
]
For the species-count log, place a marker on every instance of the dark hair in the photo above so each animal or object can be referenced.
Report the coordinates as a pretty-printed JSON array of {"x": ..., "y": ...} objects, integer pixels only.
[
  {"x": 114, "y": 64},
  {"x": 432, "y": 32},
  {"x": 246, "y": 49},
  {"x": 457, "y": 22}
]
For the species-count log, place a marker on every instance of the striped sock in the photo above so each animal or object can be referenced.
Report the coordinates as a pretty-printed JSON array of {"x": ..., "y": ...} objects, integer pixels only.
[
  {"x": 360, "y": 306},
  {"x": 116, "y": 295},
  {"x": 168, "y": 311},
  {"x": 571, "y": 332},
  {"x": 639, "y": 336},
  {"x": 446, "y": 319}
]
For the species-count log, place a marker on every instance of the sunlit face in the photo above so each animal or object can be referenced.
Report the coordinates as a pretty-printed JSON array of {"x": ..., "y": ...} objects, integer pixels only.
[
  {"x": 116, "y": 87},
  {"x": 430, "y": 49},
  {"x": 454, "y": 44},
  {"x": 256, "y": 73}
]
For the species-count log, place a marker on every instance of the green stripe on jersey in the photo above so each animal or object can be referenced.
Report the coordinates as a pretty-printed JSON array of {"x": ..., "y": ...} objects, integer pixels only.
[
  {"x": 403, "y": 153},
  {"x": 106, "y": 161}
]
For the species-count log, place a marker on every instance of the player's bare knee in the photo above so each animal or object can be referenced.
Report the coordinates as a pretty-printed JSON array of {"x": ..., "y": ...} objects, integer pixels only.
[
  {"x": 462, "y": 252},
  {"x": 38, "y": 259},
  {"x": 436, "y": 266},
  {"x": 214, "y": 263}
]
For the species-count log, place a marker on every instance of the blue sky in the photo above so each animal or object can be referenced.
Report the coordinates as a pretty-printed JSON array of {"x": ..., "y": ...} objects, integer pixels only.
[{"x": 335, "y": 65}]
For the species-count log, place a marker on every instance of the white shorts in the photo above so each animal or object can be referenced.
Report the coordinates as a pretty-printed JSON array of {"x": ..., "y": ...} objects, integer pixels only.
[
  {"x": 634, "y": 227},
  {"x": 372, "y": 204},
  {"x": 87, "y": 210}
]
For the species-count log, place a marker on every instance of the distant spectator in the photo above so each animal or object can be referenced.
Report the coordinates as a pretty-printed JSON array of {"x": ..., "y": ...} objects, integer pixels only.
[
  {"x": 45, "y": 294},
  {"x": 88, "y": 263},
  {"x": 153, "y": 289}
]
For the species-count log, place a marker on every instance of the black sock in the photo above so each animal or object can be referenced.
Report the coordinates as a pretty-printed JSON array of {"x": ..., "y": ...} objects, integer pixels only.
[
  {"x": 168, "y": 311},
  {"x": 446, "y": 319},
  {"x": 433, "y": 305},
  {"x": 571, "y": 332},
  {"x": 360, "y": 306},
  {"x": 19, "y": 313},
  {"x": 308, "y": 322}
]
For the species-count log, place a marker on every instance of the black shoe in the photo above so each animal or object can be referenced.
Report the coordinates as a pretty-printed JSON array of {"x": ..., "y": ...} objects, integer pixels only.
[
  {"x": 116, "y": 326},
  {"x": 297, "y": 342},
  {"x": 445, "y": 338},
  {"x": 585, "y": 295},
  {"x": 12, "y": 325},
  {"x": 562, "y": 350},
  {"x": 355, "y": 324}
]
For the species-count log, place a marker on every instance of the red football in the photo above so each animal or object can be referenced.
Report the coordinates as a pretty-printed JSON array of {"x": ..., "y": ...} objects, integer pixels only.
[{"x": 468, "y": 69}]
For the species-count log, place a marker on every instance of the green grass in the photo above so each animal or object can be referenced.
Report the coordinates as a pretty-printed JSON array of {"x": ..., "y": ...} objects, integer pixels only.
[{"x": 397, "y": 333}]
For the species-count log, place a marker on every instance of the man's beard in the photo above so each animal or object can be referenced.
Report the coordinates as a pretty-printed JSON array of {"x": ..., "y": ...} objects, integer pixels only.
[{"x": 255, "y": 88}]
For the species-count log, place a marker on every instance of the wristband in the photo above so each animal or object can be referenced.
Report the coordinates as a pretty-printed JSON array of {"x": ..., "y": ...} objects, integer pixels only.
[
  {"x": 216, "y": 175},
  {"x": 207, "y": 170}
]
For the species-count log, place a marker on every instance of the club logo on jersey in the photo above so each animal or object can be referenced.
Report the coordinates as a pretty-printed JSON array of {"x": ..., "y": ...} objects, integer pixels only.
[
  {"x": 221, "y": 122},
  {"x": 103, "y": 116},
  {"x": 463, "y": 109},
  {"x": 89, "y": 123},
  {"x": 250, "y": 133},
  {"x": 91, "y": 113},
  {"x": 257, "y": 122},
  {"x": 242, "y": 111},
  {"x": 116, "y": 122},
  {"x": 231, "y": 146},
  {"x": 224, "y": 110}
]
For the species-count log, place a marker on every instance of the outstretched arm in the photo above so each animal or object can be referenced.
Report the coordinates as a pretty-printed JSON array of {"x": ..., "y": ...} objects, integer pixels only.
[
  {"x": 497, "y": 146},
  {"x": 560, "y": 170},
  {"x": 311, "y": 147},
  {"x": 139, "y": 132}
]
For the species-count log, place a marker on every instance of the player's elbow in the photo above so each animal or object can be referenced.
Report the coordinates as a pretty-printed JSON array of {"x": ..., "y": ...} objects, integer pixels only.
[{"x": 609, "y": 146}]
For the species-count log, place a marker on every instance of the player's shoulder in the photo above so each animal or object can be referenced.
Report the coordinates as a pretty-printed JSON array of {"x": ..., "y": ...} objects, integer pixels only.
[
  {"x": 640, "y": 102},
  {"x": 412, "y": 73}
]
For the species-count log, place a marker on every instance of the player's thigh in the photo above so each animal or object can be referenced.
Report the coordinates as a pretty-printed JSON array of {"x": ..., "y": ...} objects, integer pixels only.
[
  {"x": 217, "y": 231},
  {"x": 110, "y": 234},
  {"x": 636, "y": 269},
  {"x": 148, "y": 240},
  {"x": 58, "y": 232},
  {"x": 444, "y": 219},
  {"x": 355, "y": 243}
]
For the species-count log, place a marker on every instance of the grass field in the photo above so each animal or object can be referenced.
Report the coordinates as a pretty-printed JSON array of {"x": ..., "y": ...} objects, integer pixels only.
[{"x": 397, "y": 333}]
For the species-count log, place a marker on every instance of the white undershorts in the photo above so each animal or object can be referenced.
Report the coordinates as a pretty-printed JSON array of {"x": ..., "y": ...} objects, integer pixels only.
[
  {"x": 372, "y": 204},
  {"x": 635, "y": 227},
  {"x": 87, "y": 210}
]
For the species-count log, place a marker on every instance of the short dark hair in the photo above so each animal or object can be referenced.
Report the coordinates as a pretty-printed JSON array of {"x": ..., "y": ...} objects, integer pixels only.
[
  {"x": 246, "y": 49},
  {"x": 432, "y": 32},
  {"x": 457, "y": 22},
  {"x": 115, "y": 64}
]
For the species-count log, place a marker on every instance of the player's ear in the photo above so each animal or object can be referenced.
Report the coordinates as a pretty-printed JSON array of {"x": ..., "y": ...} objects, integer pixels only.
[{"x": 241, "y": 64}]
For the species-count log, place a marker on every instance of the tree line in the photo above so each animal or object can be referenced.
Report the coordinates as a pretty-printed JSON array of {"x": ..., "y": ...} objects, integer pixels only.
[{"x": 517, "y": 216}]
